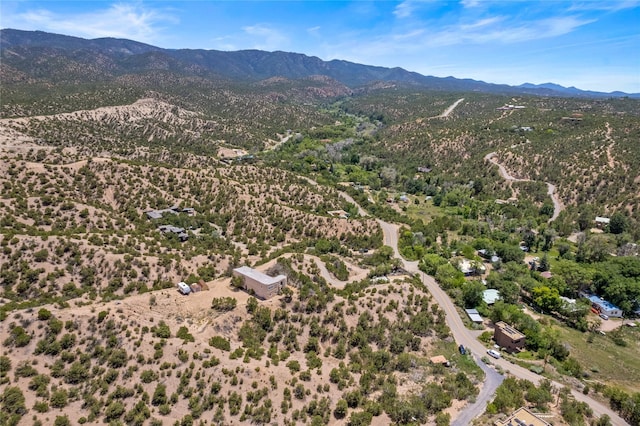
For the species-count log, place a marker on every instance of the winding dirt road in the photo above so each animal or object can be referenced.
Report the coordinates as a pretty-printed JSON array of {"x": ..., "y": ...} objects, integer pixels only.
[{"x": 551, "y": 188}]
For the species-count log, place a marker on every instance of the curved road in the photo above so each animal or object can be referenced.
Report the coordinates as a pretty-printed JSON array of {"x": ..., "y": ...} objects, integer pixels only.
[
  {"x": 492, "y": 380},
  {"x": 468, "y": 338},
  {"x": 551, "y": 188}
]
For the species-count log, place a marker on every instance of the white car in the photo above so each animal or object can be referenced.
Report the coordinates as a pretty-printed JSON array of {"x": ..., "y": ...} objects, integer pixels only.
[{"x": 494, "y": 354}]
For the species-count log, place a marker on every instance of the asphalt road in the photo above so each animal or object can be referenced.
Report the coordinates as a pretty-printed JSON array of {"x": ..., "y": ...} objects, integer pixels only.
[
  {"x": 468, "y": 338},
  {"x": 492, "y": 380}
]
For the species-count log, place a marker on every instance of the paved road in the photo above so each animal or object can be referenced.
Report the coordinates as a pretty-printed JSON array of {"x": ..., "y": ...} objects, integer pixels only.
[
  {"x": 469, "y": 339},
  {"x": 492, "y": 380},
  {"x": 551, "y": 188}
]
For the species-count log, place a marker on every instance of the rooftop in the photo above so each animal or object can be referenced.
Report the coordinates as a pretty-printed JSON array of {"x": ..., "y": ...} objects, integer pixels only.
[
  {"x": 509, "y": 331},
  {"x": 602, "y": 302},
  {"x": 258, "y": 276},
  {"x": 473, "y": 315},
  {"x": 490, "y": 296},
  {"x": 522, "y": 417},
  {"x": 438, "y": 359}
]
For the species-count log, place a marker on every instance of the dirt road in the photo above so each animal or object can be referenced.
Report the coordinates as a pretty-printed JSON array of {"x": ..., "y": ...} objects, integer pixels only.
[
  {"x": 551, "y": 188},
  {"x": 449, "y": 110}
]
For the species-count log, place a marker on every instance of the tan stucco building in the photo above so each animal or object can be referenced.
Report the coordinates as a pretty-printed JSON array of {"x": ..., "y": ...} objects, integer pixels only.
[{"x": 262, "y": 285}]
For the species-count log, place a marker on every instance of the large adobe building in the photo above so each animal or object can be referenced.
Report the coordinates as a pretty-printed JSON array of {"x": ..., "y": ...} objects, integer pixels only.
[{"x": 262, "y": 285}]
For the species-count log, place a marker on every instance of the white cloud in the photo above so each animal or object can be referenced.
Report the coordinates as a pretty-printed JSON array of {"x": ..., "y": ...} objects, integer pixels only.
[
  {"x": 404, "y": 9},
  {"x": 266, "y": 37},
  {"x": 606, "y": 6},
  {"x": 121, "y": 20},
  {"x": 470, "y": 3},
  {"x": 499, "y": 30}
]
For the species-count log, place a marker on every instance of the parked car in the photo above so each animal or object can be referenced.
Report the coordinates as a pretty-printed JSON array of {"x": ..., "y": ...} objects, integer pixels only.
[
  {"x": 604, "y": 316},
  {"x": 495, "y": 354},
  {"x": 462, "y": 350}
]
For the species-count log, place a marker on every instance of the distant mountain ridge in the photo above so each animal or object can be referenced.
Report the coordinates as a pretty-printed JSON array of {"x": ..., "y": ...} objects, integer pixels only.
[{"x": 28, "y": 55}]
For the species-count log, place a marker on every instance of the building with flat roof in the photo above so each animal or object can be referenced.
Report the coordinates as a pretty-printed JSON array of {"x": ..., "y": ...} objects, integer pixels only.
[
  {"x": 603, "y": 306},
  {"x": 262, "y": 285},
  {"x": 474, "y": 315},
  {"x": 508, "y": 337},
  {"x": 522, "y": 417},
  {"x": 491, "y": 296}
]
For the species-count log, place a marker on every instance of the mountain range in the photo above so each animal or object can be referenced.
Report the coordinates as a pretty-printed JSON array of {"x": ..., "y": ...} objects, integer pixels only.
[{"x": 36, "y": 56}]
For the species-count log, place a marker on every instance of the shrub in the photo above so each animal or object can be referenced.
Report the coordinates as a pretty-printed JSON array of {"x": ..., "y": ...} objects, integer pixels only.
[
  {"x": 148, "y": 376},
  {"x": 294, "y": 366},
  {"x": 223, "y": 304},
  {"x": 44, "y": 314},
  {"x": 220, "y": 342},
  {"x": 183, "y": 333},
  {"x": 162, "y": 330}
]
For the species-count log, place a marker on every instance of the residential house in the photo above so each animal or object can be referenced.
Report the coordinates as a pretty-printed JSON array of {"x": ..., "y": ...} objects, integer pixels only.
[
  {"x": 180, "y": 232},
  {"x": 508, "y": 337},
  {"x": 491, "y": 296},
  {"x": 603, "y": 306},
  {"x": 157, "y": 214},
  {"x": 262, "y": 285},
  {"x": 468, "y": 267},
  {"x": 522, "y": 417}
]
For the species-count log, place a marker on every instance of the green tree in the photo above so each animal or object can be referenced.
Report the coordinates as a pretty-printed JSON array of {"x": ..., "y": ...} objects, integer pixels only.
[
  {"x": 449, "y": 277},
  {"x": 618, "y": 223},
  {"x": 548, "y": 299},
  {"x": 472, "y": 292},
  {"x": 252, "y": 305}
]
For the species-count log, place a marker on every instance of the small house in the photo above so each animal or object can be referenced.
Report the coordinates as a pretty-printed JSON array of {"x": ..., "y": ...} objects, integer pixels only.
[
  {"x": 508, "y": 337},
  {"x": 603, "y": 306},
  {"x": 180, "y": 232},
  {"x": 490, "y": 296},
  {"x": 439, "y": 359},
  {"x": 184, "y": 288},
  {"x": 262, "y": 285},
  {"x": 468, "y": 267},
  {"x": 522, "y": 417},
  {"x": 602, "y": 222},
  {"x": 474, "y": 316}
]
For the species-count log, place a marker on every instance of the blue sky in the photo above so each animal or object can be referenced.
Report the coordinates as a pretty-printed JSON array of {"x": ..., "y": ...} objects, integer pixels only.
[{"x": 588, "y": 44}]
